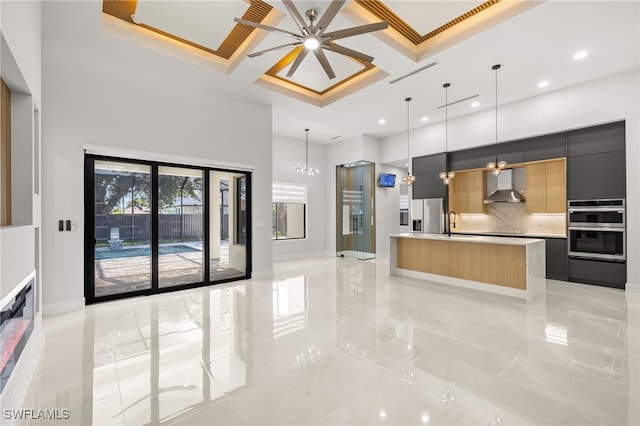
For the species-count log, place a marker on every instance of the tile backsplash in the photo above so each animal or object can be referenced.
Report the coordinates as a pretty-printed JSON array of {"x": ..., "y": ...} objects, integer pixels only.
[{"x": 511, "y": 218}]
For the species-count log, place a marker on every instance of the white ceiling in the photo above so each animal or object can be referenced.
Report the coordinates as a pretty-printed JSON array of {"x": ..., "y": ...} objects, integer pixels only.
[{"x": 536, "y": 45}]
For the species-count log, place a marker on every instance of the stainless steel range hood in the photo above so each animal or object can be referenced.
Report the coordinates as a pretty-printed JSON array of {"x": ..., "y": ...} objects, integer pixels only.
[{"x": 505, "y": 183}]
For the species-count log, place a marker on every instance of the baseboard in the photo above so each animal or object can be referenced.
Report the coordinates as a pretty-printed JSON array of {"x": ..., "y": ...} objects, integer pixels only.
[
  {"x": 632, "y": 288},
  {"x": 62, "y": 307}
]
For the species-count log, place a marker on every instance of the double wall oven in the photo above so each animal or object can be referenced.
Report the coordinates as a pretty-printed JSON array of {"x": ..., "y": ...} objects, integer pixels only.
[{"x": 597, "y": 229}]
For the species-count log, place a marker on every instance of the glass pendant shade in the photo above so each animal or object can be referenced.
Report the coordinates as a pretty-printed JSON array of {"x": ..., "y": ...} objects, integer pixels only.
[
  {"x": 306, "y": 169},
  {"x": 495, "y": 167},
  {"x": 446, "y": 176}
]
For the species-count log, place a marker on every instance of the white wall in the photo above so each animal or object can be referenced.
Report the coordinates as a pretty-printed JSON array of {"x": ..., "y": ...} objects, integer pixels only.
[
  {"x": 287, "y": 152},
  {"x": 20, "y": 252},
  {"x": 605, "y": 100},
  {"x": 116, "y": 95},
  {"x": 388, "y": 209}
]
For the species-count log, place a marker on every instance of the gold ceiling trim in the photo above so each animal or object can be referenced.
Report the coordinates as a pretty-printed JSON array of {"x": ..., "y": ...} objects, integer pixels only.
[
  {"x": 258, "y": 10},
  {"x": 291, "y": 56},
  {"x": 378, "y": 9}
]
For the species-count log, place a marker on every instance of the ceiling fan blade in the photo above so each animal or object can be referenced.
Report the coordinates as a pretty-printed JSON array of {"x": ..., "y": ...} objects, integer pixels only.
[
  {"x": 297, "y": 62},
  {"x": 328, "y": 15},
  {"x": 362, "y": 29},
  {"x": 267, "y": 27},
  {"x": 348, "y": 52},
  {"x": 262, "y": 52},
  {"x": 322, "y": 58},
  {"x": 297, "y": 17}
]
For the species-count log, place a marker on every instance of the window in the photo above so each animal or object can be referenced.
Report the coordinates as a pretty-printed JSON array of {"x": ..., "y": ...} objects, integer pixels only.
[
  {"x": 289, "y": 211},
  {"x": 404, "y": 210}
]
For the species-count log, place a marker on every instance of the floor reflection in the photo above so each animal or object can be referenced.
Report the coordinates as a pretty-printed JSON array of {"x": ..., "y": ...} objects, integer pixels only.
[{"x": 338, "y": 341}]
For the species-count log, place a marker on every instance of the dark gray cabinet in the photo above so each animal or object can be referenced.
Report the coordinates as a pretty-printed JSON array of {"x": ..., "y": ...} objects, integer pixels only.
[
  {"x": 556, "y": 258},
  {"x": 511, "y": 152},
  {"x": 545, "y": 147},
  {"x": 426, "y": 170},
  {"x": 609, "y": 274},
  {"x": 596, "y": 140},
  {"x": 428, "y": 185},
  {"x": 474, "y": 158},
  {"x": 596, "y": 176}
]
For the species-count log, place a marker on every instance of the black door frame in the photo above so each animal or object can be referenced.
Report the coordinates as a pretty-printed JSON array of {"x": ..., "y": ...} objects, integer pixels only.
[{"x": 89, "y": 229}]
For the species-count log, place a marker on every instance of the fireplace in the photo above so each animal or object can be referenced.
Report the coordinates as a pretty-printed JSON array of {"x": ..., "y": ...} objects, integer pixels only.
[{"x": 16, "y": 325}]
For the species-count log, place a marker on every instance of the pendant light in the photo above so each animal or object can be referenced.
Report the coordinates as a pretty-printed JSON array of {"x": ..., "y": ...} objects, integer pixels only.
[
  {"x": 306, "y": 169},
  {"x": 446, "y": 176},
  {"x": 495, "y": 167},
  {"x": 409, "y": 178}
]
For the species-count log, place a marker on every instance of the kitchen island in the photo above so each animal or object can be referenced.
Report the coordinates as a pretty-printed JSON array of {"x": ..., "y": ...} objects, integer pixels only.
[{"x": 503, "y": 265}]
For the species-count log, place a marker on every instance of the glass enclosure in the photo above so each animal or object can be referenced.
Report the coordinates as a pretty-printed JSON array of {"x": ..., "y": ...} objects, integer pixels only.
[{"x": 355, "y": 210}]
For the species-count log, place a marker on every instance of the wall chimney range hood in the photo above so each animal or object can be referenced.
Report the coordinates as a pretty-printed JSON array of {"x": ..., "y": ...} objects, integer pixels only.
[{"x": 506, "y": 192}]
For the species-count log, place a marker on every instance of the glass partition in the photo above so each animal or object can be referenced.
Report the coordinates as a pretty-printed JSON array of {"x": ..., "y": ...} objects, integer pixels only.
[{"x": 355, "y": 210}]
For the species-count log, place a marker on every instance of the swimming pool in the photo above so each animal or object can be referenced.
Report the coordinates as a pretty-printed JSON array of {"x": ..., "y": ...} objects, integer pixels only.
[{"x": 142, "y": 251}]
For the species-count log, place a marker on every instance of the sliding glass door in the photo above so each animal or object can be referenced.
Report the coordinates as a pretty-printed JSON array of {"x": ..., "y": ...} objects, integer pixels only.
[
  {"x": 180, "y": 226},
  {"x": 152, "y": 227},
  {"x": 122, "y": 227}
]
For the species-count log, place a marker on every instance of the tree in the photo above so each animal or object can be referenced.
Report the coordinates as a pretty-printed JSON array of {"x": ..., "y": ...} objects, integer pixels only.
[{"x": 110, "y": 189}]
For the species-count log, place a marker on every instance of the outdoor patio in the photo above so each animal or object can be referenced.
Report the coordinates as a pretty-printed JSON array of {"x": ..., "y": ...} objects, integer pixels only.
[{"x": 126, "y": 274}]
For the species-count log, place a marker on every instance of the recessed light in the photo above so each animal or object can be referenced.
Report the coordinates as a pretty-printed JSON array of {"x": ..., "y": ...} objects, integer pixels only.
[
  {"x": 580, "y": 54},
  {"x": 406, "y": 164},
  {"x": 424, "y": 119},
  {"x": 475, "y": 104},
  {"x": 382, "y": 121},
  {"x": 543, "y": 84}
]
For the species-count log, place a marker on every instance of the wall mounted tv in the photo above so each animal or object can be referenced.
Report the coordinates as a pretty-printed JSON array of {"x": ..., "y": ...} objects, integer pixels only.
[{"x": 387, "y": 180}]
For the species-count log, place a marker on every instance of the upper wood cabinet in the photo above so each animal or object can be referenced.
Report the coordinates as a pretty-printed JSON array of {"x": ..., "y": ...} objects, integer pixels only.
[
  {"x": 467, "y": 191},
  {"x": 546, "y": 187}
]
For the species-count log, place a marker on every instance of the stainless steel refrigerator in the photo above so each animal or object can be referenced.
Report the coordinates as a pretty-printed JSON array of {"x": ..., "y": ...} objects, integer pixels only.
[{"x": 427, "y": 215}]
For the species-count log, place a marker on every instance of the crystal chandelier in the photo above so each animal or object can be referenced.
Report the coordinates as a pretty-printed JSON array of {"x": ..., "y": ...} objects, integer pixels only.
[
  {"x": 306, "y": 169},
  {"x": 495, "y": 167},
  {"x": 409, "y": 178},
  {"x": 446, "y": 176}
]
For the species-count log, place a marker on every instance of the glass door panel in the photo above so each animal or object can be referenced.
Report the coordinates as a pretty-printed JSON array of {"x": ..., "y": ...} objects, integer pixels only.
[
  {"x": 227, "y": 225},
  {"x": 355, "y": 230},
  {"x": 180, "y": 226},
  {"x": 122, "y": 227}
]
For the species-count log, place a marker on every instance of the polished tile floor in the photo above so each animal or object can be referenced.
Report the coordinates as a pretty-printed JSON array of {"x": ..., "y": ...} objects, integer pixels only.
[{"x": 339, "y": 342}]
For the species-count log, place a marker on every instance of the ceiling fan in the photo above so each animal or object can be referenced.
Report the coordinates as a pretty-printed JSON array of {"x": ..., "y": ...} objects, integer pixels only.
[{"x": 313, "y": 36}]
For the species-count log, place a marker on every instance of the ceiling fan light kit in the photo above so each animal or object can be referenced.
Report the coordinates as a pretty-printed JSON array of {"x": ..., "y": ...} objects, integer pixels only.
[{"x": 313, "y": 36}]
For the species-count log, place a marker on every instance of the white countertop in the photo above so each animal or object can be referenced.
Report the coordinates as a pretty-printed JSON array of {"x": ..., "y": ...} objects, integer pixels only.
[
  {"x": 508, "y": 234},
  {"x": 514, "y": 241}
]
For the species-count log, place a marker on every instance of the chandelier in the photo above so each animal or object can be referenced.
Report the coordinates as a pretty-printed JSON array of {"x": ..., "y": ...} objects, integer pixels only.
[
  {"x": 409, "y": 178},
  {"x": 446, "y": 176},
  {"x": 495, "y": 167},
  {"x": 306, "y": 169}
]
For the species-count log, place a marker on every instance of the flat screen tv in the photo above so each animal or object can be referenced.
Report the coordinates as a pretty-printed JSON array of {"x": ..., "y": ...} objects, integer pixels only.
[{"x": 387, "y": 180}]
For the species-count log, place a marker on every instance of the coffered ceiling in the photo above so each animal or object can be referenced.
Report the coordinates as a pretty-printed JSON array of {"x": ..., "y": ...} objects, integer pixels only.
[{"x": 427, "y": 43}]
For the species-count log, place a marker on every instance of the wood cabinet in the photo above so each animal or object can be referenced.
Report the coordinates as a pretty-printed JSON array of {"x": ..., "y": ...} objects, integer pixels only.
[
  {"x": 546, "y": 187},
  {"x": 467, "y": 191}
]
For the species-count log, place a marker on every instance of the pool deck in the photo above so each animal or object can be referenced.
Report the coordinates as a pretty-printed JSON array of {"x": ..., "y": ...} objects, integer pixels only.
[{"x": 121, "y": 275}]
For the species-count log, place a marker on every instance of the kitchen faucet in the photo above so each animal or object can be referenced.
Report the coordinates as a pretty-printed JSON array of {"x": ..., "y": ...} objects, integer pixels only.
[{"x": 454, "y": 221}]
